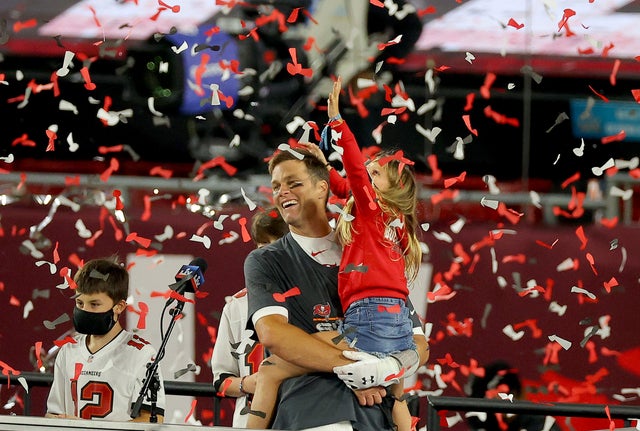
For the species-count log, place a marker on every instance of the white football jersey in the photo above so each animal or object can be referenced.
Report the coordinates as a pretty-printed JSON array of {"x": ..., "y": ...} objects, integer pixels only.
[
  {"x": 105, "y": 384},
  {"x": 235, "y": 353}
]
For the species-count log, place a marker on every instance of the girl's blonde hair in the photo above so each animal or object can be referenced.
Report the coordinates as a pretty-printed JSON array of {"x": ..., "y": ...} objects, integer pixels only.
[{"x": 399, "y": 200}]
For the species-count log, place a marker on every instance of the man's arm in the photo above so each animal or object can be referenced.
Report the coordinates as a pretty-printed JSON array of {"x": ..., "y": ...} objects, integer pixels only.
[{"x": 296, "y": 346}]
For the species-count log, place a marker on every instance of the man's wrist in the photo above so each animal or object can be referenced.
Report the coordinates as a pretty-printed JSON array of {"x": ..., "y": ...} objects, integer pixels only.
[{"x": 241, "y": 387}]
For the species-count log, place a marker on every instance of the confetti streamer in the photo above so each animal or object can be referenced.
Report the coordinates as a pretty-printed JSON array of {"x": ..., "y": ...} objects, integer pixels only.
[
  {"x": 576, "y": 289},
  {"x": 566, "y": 345},
  {"x": 513, "y": 23},
  {"x": 246, "y": 237},
  {"x": 282, "y": 297},
  {"x": 59, "y": 320},
  {"x": 204, "y": 240}
]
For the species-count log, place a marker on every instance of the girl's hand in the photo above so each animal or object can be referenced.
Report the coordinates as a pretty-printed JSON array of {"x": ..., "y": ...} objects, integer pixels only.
[
  {"x": 315, "y": 150},
  {"x": 334, "y": 97}
]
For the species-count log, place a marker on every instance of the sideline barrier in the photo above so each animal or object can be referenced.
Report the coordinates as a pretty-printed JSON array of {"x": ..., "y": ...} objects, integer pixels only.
[
  {"x": 439, "y": 403},
  {"x": 171, "y": 387}
]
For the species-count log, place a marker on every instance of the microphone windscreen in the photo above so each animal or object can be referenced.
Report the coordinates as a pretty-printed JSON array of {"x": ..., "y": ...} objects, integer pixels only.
[{"x": 199, "y": 262}]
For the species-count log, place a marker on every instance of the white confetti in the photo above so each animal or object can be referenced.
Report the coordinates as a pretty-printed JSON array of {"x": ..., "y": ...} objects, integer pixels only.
[
  {"x": 566, "y": 345},
  {"x": 205, "y": 240},
  {"x": 490, "y": 203},
  {"x": 248, "y": 201},
  {"x": 511, "y": 333}
]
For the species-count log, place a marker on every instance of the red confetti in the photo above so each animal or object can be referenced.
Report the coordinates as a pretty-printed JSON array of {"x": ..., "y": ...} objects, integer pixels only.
[
  {"x": 436, "y": 173},
  {"x": 636, "y": 94},
  {"x": 282, "y": 297},
  {"x": 513, "y": 23},
  {"x": 377, "y": 3},
  {"x": 171, "y": 294},
  {"x": 448, "y": 360},
  {"x": 223, "y": 388},
  {"x": 67, "y": 339},
  {"x": 174, "y": 9},
  {"x": 609, "y": 223},
  {"x": 620, "y": 136},
  {"x": 24, "y": 141},
  {"x": 488, "y": 83},
  {"x": 467, "y": 122},
  {"x": 426, "y": 11},
  {"x": 609, "y": 284},
  {"x": 78, "y": 371},
  {"x": 397, "y": 375},
  {"x": 146, "y": 213},
  {"x": 56, "y": 255},
  {"x": 394, "y": 309},
  {"x": 582, "y": 237},
  {"x": 296, "y": 68},
  {"x": 545, "y": 245},
  {"x": 114, "y": 165},
  {"x": 38, "y": 347},
  {"x": 568, "y": 13},
  {"x": 133, "y": 236},
  {"x": 598, "y": 94},
  {"x": 500, "y": 118},
  {"x": 52, "y": 139},
  {"x": 6, "y": 370},
  {"x": 72, "y": 181},
  {"x": 614, "y": 72},
  {"x": 592, "y": 262},
  {"x": 471, "y": 97},
  {"x": 119, "y": 205},
  {"x": 216, "y": 161},
  {"x": 246, "y": 237},
  {"x": 571, "y": 179},
  {"x": 518, "y": 258},
  {"x": 451, "y": 181},
  {"x": 87, "y": 79},
  {"x": 18, "y": 26},
  {"x": 293, "y": 16}
]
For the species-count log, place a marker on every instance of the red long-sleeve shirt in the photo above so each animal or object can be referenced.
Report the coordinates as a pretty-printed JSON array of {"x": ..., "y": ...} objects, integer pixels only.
[{"x": 373, "y": 263}]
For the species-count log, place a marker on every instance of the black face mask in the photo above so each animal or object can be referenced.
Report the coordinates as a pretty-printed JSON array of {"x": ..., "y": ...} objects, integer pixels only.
[{"x": 93, "y": 323}]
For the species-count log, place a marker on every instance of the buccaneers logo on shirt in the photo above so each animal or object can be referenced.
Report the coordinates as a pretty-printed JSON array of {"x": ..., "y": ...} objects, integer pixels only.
[{"x": 322, "y": 310}]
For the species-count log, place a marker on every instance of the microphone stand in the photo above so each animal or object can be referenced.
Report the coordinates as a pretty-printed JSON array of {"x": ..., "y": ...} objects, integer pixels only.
[{"x": 152, "y": 381}]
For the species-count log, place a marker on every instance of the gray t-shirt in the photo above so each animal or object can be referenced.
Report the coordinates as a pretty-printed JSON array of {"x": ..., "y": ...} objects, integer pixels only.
[{"x": 314, "y": 399}]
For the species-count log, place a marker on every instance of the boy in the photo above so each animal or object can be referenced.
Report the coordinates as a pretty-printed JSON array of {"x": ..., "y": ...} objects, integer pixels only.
[{"x": 101, "y": 374}]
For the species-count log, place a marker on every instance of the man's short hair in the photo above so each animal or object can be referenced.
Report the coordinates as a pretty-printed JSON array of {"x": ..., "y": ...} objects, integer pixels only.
[
  {"x": 315, "y": 167},
  {"x": 103, "y": 275}
]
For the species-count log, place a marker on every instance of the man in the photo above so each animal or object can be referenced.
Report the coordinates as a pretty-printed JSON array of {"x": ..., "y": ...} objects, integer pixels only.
[{"x": 292, "y": 286}]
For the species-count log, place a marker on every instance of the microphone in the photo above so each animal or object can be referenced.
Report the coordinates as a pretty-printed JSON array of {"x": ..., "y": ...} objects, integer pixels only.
[{"x": 190, "y": 277}]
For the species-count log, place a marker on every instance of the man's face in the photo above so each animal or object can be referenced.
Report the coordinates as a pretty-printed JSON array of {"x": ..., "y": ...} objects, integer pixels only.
[{"x": 298, "y": 196}]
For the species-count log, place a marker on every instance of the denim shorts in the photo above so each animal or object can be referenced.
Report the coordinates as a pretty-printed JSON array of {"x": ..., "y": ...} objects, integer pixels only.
[{"x": 379, "y": 326}]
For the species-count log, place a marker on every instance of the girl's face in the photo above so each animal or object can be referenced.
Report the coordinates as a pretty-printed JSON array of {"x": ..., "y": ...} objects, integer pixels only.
[{"x": 379, "y": 177}]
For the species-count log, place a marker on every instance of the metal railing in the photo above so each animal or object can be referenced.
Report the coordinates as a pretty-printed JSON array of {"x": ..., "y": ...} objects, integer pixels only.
[
  {"x": 611, "y": 204},
  {"x": 436, "y": 404},
  {"x": 171, "y": 387},
  {"x": 440, "y": 403}
]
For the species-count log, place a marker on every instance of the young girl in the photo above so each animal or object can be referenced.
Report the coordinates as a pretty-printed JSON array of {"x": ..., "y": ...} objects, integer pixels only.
[{"x": 380, "y": 252}]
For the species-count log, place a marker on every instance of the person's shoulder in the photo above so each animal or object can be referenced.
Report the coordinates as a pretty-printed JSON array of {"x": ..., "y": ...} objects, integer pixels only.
[
  {"x": 278, "y": 247},
  {"x": 74, "y": 342}
]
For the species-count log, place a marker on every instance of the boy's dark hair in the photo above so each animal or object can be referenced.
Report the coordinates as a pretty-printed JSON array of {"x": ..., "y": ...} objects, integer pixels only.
[
  {"x": 315, "y": 167},
  {"x": 103, "y": 275},
  {"x": 268, "y": 225}
]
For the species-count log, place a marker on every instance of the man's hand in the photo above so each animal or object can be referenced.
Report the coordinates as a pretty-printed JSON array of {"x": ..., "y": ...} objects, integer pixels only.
[
  {"x": 370, "y": 396},
  {"x": 368, "y": 370}
]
